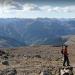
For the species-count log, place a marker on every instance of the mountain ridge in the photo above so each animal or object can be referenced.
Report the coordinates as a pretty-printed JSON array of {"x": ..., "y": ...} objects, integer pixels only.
[{"x": 37, "y": 31}]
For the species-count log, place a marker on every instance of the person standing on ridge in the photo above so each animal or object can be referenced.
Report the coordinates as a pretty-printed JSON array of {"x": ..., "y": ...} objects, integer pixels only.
[{"x": 65, "y": 55}]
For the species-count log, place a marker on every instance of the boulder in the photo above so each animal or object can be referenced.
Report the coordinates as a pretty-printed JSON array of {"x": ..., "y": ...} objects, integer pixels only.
[
  {"x": 66, "y": 71},
  {"x": 2, "y": 52},
  {"x": 8, "y": 71},
  {"x": 5, "y": 62},
  {"x": 46, "y": 72}
]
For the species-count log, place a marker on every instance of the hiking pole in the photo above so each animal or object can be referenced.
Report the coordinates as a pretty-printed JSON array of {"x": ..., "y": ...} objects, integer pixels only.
[
  {"x": 62, "y": 57},
  {"x": 62, "y": 50}
]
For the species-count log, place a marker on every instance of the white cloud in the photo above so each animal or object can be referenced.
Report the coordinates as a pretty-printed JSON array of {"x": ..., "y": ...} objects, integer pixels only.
[
  {"x": 57, "y": 9},
  {"x": 4, "y": 9},
  {"x": 31, "y": 7},
  {"x": 69, "y": 9}
]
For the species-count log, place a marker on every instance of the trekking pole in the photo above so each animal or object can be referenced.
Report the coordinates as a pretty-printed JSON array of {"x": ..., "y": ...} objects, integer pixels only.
[
  {"x": 62, "y": 50},
  {"x": 62, "y": 46}
]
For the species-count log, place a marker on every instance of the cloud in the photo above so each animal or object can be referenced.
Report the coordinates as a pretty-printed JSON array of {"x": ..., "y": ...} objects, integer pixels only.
[
  {"x": 13, "y": 8},
  {"x": 69, "y": 9},
  {"x": 18, "y": 4},
  {"x": 31, "y": 7},
  {"x": 5, "y": 2},
  {"x": 57, "y": 9},
  {"x": 58, "y": 2},
  {"x": 14, "y": 5}
]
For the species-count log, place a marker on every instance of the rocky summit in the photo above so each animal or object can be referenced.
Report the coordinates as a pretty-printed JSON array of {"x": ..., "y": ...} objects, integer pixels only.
[{"x": 34, "y": 60}]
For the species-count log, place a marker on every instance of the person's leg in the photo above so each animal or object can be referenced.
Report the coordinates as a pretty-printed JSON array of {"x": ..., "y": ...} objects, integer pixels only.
[
  {"x": 68, "y": 63},
  {"x": 64, "y": 60}
]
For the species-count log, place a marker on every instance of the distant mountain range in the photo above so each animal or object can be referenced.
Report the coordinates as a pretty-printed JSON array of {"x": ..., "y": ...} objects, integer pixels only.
[{"x": 21, "y": 32}]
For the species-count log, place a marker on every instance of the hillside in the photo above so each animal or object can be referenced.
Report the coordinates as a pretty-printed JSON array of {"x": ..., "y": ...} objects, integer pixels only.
[
  {"x": 70, "y": 40},
  {"x": 6, "y": 42}
]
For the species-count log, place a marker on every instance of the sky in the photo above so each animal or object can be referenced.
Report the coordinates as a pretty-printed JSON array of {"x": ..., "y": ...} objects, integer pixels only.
[{"x": 37, "y": 8}]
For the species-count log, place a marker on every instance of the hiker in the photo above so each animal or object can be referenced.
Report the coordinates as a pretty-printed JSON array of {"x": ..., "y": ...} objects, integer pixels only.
[{"x": 65, "y": 55}]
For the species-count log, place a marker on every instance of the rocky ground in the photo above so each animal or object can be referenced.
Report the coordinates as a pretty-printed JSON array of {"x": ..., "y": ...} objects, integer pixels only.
[{"x": 33, "y": 60}]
